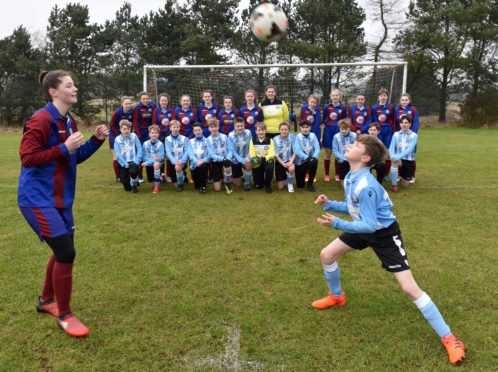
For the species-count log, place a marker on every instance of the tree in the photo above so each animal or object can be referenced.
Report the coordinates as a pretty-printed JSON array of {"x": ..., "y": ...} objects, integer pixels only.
[
  {"x": 328, "y": 32},
  {"x": 435, "y": 41},
  {"x": 74, "y": 44},
  {"x": 19, "y": 87}
]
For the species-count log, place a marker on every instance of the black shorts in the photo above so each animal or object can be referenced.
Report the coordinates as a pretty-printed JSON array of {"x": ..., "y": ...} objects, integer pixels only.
[
  {"x": 407, "y": 167},
  {"x": 150, "y": 173},
  {"x": 387, "y": 244},
  {"x": 280, "y": 172},
  {"x": 217, "y": 169},
  {"x": 172, "y": 171},
  {"x": 343, "y": 169},
  {"x": 236, "y": 170}
]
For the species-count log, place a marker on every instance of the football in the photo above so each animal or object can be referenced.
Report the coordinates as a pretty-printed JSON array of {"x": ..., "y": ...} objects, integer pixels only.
[{"x": 268, "y": 22}]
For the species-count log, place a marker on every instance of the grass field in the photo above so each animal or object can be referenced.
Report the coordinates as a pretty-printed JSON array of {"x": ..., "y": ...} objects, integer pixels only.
[{"x": 211, "y": 282}]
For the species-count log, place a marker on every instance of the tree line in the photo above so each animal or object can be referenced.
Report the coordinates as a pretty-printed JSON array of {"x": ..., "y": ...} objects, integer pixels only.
[{"x": 451, "y": 47}]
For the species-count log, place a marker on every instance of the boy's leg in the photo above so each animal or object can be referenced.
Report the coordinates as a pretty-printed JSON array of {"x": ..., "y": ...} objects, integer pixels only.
[
  {"x": 301, "y": 174},
  {"x": 312, "y": 167},
  {"x": 268, "y": 166},
  {"x": 248, "y": 175},
  {"x": 328, "y": 257},
  {"x": 258, "y": 175},
  {"x": 379, "y": 167},
  {"x": 157, "y": 176},
  {"x": 454, "y": 347},
  {"x": 291, "y": 171},
  {"x": 124, "y": 176},
  {"x": 134, "y": 170},
  {"x": 227, "y": 174},
  {"x": 394, "y": 175}
]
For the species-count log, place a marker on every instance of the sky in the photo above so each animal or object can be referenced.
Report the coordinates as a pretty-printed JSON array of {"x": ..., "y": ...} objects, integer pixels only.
[{"x": 33, "y": 14}]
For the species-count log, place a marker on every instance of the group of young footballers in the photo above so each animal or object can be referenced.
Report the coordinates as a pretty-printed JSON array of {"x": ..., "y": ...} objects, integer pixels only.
[
  {"x": 228, "y": 146},
  {"x": 52, "y": 147}
]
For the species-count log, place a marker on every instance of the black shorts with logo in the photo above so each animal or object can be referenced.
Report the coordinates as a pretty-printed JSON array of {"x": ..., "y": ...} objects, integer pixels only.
[{"x": 387, "y": 244}]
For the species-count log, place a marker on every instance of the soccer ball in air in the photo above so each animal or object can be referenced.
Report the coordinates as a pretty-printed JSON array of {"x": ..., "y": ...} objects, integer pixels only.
[{"x": 268, "y": 22}]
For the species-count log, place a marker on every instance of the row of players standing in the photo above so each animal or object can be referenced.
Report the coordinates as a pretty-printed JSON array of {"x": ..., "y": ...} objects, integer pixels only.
[{"x": 272, "y": 111}]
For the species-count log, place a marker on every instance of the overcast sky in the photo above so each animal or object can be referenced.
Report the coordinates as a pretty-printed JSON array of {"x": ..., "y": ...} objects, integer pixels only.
[{"x": 33, "y": 14}]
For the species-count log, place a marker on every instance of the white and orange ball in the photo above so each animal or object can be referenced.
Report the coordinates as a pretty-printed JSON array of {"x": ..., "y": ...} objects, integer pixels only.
[{"x": 268, "y": 22}]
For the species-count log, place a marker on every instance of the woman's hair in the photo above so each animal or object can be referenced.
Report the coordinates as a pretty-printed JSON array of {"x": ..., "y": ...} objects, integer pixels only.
[
  {"x": 271, "y": 86},
  {"x": 406, "y": 95},
  {"x": 165, "y": 95},
  {"x": 124, "y": 98},
  {"x": 284, "y": 124},
  {"x": 52, "y": 80}
]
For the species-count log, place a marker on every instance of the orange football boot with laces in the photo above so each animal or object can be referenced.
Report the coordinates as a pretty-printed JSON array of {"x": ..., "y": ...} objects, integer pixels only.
[
  {"x": 329, "y": 301},
  {"x": 455, "y": 348}
]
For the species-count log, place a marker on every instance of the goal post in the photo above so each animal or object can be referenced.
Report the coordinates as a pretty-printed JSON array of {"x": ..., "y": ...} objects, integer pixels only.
[{"x": 294, "y": 82}]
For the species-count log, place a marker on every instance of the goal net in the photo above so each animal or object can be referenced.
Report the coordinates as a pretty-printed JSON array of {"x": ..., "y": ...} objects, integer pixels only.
[{"x": 294, "y": 82}]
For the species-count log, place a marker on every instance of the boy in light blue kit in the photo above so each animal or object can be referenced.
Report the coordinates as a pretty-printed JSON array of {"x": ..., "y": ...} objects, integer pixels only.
[
  {"x": 221, "y": 160},
  {"x": 284, "y": 156},
  {"x": 373, "y": 224},
  {"x": 176, "y": 148},
  {"x": 128, "y": 152},
  {"x": 402, "y": 153},
  {"x": 307, "y": 150},
  {"x": 241, "y": 140},
  {"x": 199, "y": 153},
  {"x": 153, "y": 157},
  {"x": 339, "y": 145}
]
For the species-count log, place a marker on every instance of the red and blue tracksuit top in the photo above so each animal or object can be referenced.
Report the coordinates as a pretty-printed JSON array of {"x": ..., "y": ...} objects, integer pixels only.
[
  {"x": 162, "y": 118},
  {"x": 142, "y": 120},
  {"x": 411, "y": 112},
  {"x": 48, "y": 172},
  {"x": 360, "y": 118}
]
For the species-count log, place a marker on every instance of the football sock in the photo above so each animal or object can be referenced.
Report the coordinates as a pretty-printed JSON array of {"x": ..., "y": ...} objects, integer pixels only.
[
  {"x": 134, "y": 181},
  {"x": 326, "y": 163},
  {"x": 336, "y": 167},
  {"x": 157, "y": 177},
  {"x": 333, "y": 278},
  {"x": 227, "y": 177},
  {"x": 394, "y": 176},
  {"x": 290, "y": 178},
  {"x": 48, "y": 288},
  {"x": 248, "y": 177},
  {"x": 63, "y": 281},
  {"x": 180, "y": 177},
  {"x": 115, "y": 165},
  {"x": 430, "y": 311},
  {"x": 387, "y": 166}
]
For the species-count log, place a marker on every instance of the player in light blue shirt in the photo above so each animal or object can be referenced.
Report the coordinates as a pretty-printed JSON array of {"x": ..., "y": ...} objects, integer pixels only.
[
  {"x": 128, "y": 150},
  {"x": 284, "y": 156},
  {"x": 153, "y": 157},
  {"x": 241, "y": 140},
  {"x": 373, "y": 224},
  {"x": 307, "y": 150},
  {"x": 402, "y": 153},
  {"x": 340, "y": 143},
  {"x": 199, "y": 153},
  {"x": 221, "y": 160},
  {"x": 176, "y": 149}
]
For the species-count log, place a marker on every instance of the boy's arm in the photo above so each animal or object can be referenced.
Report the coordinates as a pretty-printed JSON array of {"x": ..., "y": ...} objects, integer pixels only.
[
  {"x": 161, "y": 152},
  {"x": 335, "y": 150},
  {"x": 191, "y": 155},
  {"x": 138, "y": 146},
  {"x": 336, "y": 206},
  {"x": 212, "y": 153},
  {"x": 296, "y": 147},
  {"x": 119, "y": 157},
  {"x": 230, "y": 150},
  {"x": 167, "y": 150},
  {"x": 186, "y": 150},
  {"x": 368, "y": 215}
]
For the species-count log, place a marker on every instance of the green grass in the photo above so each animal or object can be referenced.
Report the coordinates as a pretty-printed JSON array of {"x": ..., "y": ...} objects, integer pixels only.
[{"x": 169, "y": 281}]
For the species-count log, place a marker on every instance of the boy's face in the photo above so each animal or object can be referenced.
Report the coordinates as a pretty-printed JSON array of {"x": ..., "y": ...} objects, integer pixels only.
[
  {"x": 198, "y": 132},
  {"x": 312, "y": 103},
  {"x": 207, "y": 98},
  {"x": 383, "y": 98},
  {"x": 125, "y": 130},
  {"x": 356, "y": 153},
  {"x": 405, "y": 125},
  {"x": 144, "y": 100},
  {"x": 344, "y": 131},
  {"x": 185, "y": 102},
  {"x": 175, "y": 129},
  {"x": 284, "y": 131},
  {"x": 373, "y": 132},
  {"x": 126, "y": 105},
  {"x": 305, "y": 129},
  {"x": 154, "y": 135},
  {"x": 227, "y": 103},
  {"x": 360, "y": 101},
  {"x": 404, "y": 100},
  {"x": 163, "y": 101},
  {"x": 214, "y": 129},
  {"x": 260, "y": 132},
  {"x": 239, "y": 128}
]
